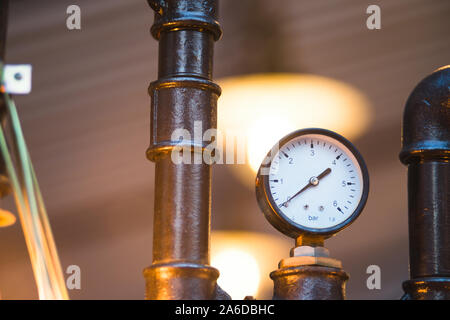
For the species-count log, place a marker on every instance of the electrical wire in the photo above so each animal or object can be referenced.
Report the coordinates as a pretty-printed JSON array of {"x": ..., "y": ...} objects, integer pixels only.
[{"x": 32, "y": 213}]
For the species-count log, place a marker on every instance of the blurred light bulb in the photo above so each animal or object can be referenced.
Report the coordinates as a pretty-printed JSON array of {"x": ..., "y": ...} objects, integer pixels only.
[
  {"x": 239, "y": 272},
  {"x": 245, "y": 260},
  {"x": 262, "y": 108},
  {"x": 263, "y": 133},
  {"x": 6, "y": 218}
]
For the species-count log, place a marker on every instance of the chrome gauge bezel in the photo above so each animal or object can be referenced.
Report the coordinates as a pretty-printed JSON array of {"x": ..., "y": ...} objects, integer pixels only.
[{"x": 276, "y": 217}]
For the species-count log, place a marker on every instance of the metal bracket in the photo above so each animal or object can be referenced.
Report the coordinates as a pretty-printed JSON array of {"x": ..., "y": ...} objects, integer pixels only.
[{"x": 17, "y": 78}]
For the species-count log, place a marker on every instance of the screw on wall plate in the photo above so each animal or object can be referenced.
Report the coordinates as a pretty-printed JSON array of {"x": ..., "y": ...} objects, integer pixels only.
[{"x": 17, "y": 78}]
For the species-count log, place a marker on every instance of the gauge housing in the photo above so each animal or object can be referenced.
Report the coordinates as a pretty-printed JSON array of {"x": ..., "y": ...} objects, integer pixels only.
[{"x": 278, "y": 219}]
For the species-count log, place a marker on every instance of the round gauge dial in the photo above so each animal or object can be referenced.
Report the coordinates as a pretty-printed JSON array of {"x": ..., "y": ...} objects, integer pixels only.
[{"x": 314, "y": 181}]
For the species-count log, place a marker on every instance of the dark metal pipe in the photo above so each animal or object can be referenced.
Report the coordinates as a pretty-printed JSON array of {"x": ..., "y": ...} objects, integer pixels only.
[
  {"x": 183, "y": 97},
  {"x": 430, "y": 222},
  {"x": 309, "y": 282},
  {"x": 182, "y": 227},
  {"x": 426, "y": 152}
]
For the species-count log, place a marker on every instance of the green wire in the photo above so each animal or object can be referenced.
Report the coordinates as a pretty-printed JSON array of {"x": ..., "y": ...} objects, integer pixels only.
[{"x": 33, "y": 216}]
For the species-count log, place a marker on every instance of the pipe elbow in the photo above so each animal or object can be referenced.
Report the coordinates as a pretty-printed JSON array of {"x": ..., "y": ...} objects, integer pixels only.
[{"x": 426, "y": 119}]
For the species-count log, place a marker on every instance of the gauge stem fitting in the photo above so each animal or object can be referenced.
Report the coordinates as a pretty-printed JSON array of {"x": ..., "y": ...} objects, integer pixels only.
[{"x": 309, "y": 274}]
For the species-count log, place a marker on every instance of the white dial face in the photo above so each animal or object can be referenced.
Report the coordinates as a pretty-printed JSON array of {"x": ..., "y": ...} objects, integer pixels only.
[{"x": 315, "y": 181}]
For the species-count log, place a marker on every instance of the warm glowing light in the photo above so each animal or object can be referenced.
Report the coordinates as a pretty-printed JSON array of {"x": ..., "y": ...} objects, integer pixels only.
[
  {"x": 6, "y": 218},
  {"x": 442, "y": 68},
  {"x": 245, "y": 260},
  {"x": 239, "y": 274},
  {"x": 262, "y": 108}
]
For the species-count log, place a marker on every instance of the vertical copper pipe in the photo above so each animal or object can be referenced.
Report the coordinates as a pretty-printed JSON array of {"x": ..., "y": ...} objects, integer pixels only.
[
  {"x": 426, "y": 152},
  {"x": 183, "y": 97}
]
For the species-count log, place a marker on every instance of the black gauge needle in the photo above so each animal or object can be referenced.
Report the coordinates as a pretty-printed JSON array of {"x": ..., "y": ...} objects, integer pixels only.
[{"x": 314, "y": 181}]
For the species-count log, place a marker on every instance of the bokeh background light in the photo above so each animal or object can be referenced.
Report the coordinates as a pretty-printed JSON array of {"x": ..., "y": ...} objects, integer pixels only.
[
  {"x": 7, "y": 218},
  {"x": 240, "y": 275},
  {"x": 262, "y": 108},
  {"x": 245, "y": 260}
]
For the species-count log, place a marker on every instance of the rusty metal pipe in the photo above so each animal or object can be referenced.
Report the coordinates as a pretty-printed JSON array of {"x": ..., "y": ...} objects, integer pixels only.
[
  {"x": 309, "y": 282},
  {"x": 426, "y": 152},
  {"x": 181, "y": 212},
  {"x": 183, "y": 97}
]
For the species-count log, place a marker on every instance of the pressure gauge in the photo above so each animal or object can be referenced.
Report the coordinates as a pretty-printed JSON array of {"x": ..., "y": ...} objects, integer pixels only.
[{"x": 314, "y": 182}]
